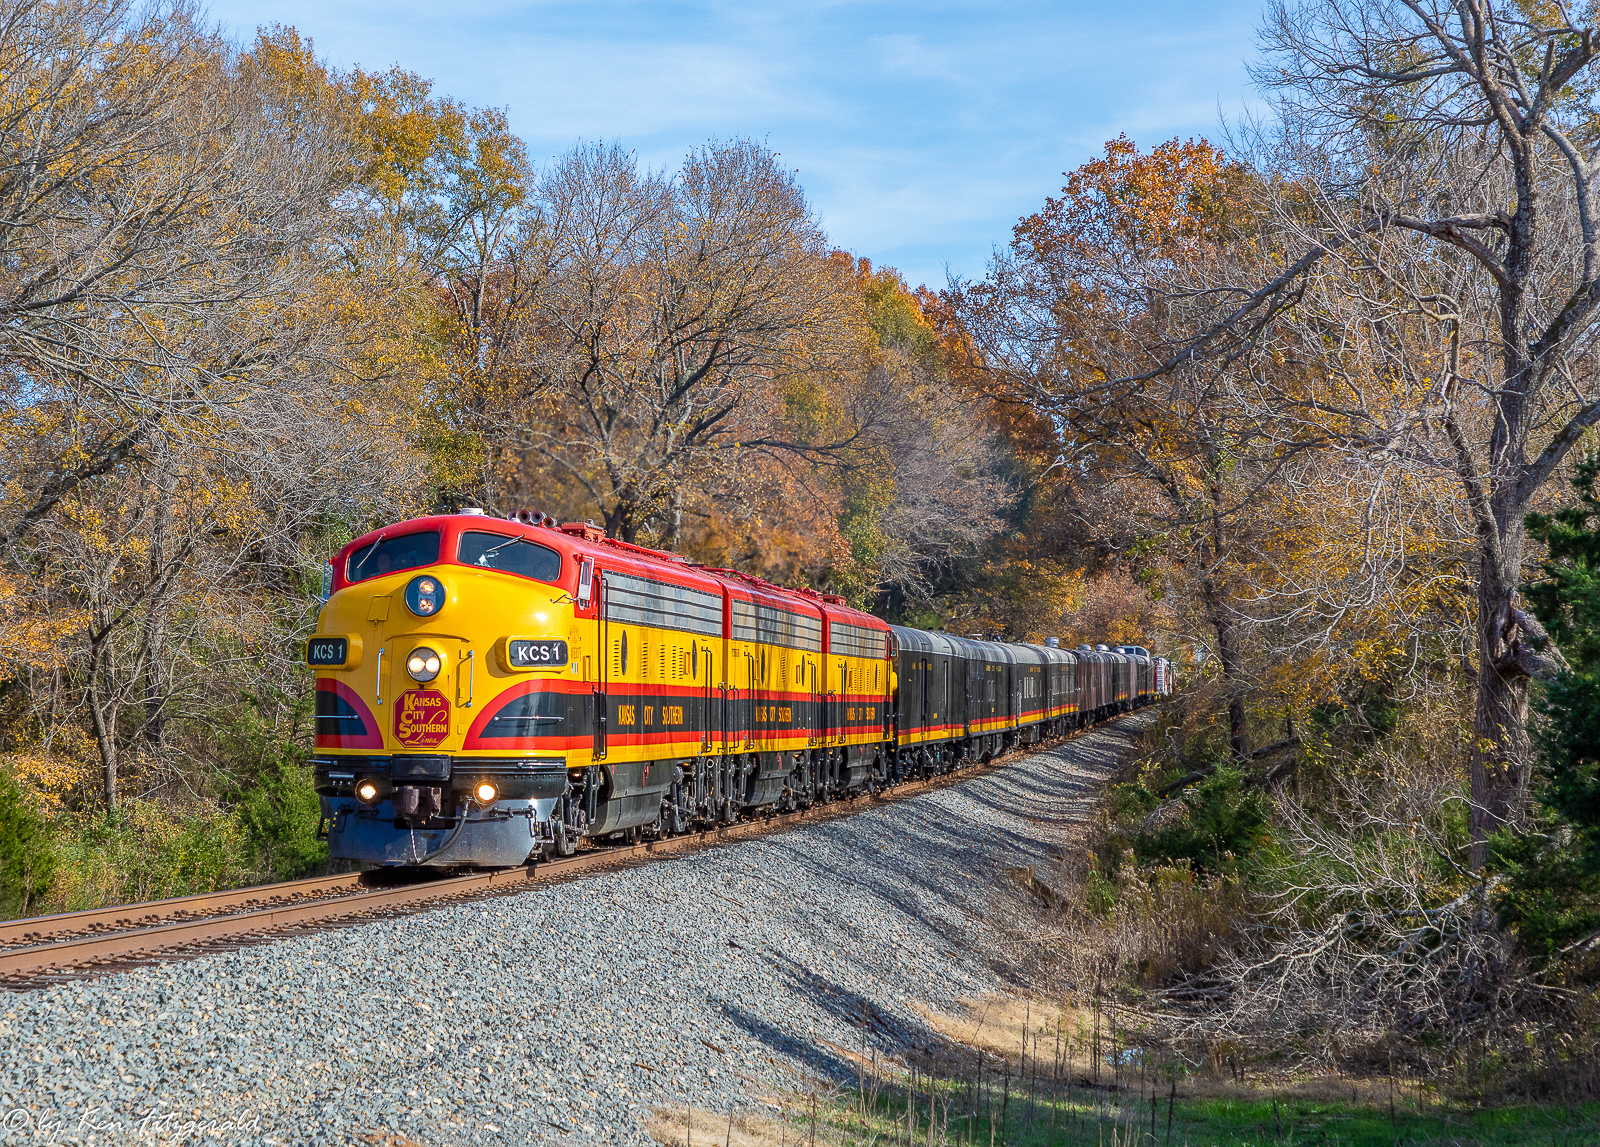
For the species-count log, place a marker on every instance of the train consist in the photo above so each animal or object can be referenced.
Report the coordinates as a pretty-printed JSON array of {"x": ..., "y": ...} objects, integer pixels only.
[{"x": 490, "y": 691}]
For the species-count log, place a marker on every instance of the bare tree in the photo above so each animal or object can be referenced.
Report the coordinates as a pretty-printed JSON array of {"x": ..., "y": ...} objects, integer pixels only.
[
  {"x": 672, "y": 312},
  {"x": 945, "y": 494},
  {"x": 1419, "y": 284},
  {"x": 1378, "y": 929}
]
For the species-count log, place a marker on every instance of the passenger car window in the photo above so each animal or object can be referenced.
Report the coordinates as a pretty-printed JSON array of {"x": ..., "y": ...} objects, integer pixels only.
[
  {"x": 386, "y": 555},
  {"x": 509, "y": 555}
]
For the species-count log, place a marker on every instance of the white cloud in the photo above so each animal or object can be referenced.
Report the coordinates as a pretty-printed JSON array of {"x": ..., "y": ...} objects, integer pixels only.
[{"x": 905, "y": 55}]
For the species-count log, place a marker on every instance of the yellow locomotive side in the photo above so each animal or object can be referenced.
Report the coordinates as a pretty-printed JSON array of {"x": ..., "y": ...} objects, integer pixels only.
[
  {"x": 770, "y": 691},
  {"x": 859, "y": 685},
  {"x": 657, "y": 681}
]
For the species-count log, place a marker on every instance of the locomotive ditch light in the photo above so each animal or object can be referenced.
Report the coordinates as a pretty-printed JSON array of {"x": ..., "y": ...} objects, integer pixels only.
[
  {"x": 367, "y": 792},
  {"x": 424, "y": 595},
  {"x": 486, "y": 793},
  {"x": 423, "y": 664}
]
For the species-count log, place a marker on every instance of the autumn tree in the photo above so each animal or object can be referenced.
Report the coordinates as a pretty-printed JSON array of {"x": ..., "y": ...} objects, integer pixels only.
[
  {"x": 175, "y": 346},
  {"x": 484, "y": 266},
  {"x": 452, "y": 193},
  {"x": 154, "y": 205},
  {"x": 1070, "y": 323}
]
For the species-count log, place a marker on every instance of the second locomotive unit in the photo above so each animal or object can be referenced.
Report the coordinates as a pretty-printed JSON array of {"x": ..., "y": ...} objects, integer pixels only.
[{"x": 492, "y": 690}]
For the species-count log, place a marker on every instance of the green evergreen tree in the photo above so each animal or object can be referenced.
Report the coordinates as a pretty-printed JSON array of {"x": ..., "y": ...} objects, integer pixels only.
[
  {"x": 27, "y": 856},
  {"x": 1553, "y": 891}
]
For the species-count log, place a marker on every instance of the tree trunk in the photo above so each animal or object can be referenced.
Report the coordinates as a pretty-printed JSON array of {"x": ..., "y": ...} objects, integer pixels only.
[
  {"x": 672, "y": 536},
  {"x": 157, "y": 684},
  {"x": 105, "y": 733},
  {"x": 1228, "y": 654},
  {"x": 1500, "y": 756},
  {"x": 1502, "y": 751},
  {"x": 1225, "y": 624},
  {"x": 622, "y": 520},
  {"x": 1233, "y": 678}
]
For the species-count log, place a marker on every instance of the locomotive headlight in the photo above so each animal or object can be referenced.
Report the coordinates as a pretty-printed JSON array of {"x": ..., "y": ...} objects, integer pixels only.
[
  {"x": 423, "y": 664},
  {"x": 424, "y": 595},
  {"x": 487, "y": 793},
  {"x": 367, "y": 792}
]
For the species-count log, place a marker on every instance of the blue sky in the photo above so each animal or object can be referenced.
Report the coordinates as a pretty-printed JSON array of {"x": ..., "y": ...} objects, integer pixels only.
[{"x": 921, "y": 132}]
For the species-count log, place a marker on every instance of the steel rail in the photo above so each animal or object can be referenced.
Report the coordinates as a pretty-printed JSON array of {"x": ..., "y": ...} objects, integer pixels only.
[
  {"x": 152, "y": 939},
  {"x": 143, "y": 914}
]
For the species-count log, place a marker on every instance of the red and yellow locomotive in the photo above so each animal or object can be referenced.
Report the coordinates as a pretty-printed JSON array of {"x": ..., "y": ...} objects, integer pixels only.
[{"x": 488, "y": 689}]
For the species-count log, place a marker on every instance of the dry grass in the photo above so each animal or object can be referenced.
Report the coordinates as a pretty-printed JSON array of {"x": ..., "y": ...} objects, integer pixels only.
[
  {"x": 679, "y": 1127},
  {"x": 1001, "y": 1025},
  {"x": 1074, "y": 929},
  {"x": 1370, "y": 1091},
  {"x": 998, "y": 1024},
  {"x": 1093, "y": 918}
]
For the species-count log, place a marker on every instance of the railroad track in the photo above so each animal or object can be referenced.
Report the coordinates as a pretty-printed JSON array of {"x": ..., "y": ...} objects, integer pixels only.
[{"x": 78, "y": 945}]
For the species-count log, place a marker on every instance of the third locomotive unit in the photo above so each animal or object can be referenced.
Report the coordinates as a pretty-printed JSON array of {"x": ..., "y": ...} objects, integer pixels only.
[{"x": 492, "y": 690}]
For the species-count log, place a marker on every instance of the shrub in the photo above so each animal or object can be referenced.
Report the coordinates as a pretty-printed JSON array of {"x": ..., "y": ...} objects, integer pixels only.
[
  {"x": 1223, "y": 825},
  {"x": 151, "y": 851},
  {"x": 274, "y": 793},
  {"x": 1099, "y": 894},
  {"x": 280, "y": 815},
  {"x": 1130, "y": 801}
]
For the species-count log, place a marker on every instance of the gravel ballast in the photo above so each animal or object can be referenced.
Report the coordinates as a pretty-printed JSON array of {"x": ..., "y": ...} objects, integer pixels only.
[{"x": 560, "y": 1015}]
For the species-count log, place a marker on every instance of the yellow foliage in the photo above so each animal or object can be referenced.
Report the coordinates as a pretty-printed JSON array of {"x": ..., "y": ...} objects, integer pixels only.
[{"x": 50, "y": 780}]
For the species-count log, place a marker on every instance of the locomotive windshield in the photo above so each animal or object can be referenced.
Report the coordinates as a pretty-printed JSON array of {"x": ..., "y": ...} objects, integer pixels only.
[
  {"x": 509, "y": 555},
  {"x": 386, "y": 555}
]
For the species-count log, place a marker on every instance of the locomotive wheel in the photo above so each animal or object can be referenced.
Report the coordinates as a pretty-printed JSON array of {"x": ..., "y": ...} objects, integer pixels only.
[{"x": 564, "y": 845}]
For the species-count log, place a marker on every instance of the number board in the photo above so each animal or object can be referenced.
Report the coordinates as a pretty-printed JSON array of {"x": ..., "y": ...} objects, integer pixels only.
[
  {"x": 525, "y": 653},
  {"x": 327, "y": 650}
]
